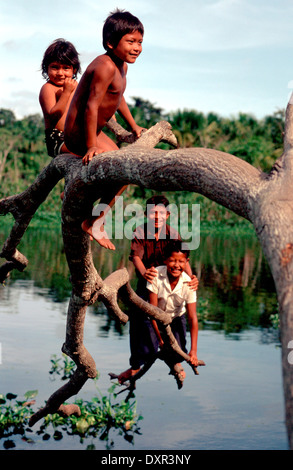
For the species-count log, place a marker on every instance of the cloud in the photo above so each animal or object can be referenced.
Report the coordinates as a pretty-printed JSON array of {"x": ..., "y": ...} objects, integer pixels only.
[
  {"x": 221, "y": 55},
  {"x": 219, "y": 25}
]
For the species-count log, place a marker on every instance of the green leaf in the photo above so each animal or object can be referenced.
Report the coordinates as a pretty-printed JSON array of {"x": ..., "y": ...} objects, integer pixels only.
[
  {"x": 82, "y": 426},
  {"x": 111, "y": 389},
  {"x": 31, "y": 394},
  {"x": 2, "y": 399}
]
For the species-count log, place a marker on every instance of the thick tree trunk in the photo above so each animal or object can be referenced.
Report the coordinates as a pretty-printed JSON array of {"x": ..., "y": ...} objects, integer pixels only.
[
  {"x": 273, "y": 222},
  {"x": 263, "y": 199}
]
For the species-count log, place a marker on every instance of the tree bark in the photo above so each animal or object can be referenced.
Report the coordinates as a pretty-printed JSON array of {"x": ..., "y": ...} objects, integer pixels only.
[{"x": 265, "y": 199}]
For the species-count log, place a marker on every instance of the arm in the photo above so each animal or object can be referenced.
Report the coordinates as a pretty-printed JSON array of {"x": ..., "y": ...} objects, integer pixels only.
[
  {"x": 153, "y": 300},
  {"x": 193, "y": 325},
  {"x": 124, "y": 111},
  {"x": 52, "y": 108}
]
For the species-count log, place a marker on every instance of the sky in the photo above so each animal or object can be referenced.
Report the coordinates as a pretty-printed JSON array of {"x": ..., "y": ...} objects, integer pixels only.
[{"x": 221, "y": 56}]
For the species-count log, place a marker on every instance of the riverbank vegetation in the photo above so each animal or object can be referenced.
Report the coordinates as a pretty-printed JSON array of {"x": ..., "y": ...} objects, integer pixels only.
[{"x": 258, "y": 141}]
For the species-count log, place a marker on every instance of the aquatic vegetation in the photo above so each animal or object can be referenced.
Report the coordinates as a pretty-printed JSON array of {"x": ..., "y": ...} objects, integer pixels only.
[{"x": 95, "y": 419}]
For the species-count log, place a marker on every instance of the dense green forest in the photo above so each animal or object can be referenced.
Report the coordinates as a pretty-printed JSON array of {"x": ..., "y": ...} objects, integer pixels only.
[{"x": 260, "y": 142}]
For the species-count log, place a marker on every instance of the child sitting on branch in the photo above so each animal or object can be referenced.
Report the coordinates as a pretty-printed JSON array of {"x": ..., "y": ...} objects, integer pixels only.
[
  {"x": 60, "y": 66},
  {"x": 170, "y": 292},
  {"x": 97, "y": 98}
]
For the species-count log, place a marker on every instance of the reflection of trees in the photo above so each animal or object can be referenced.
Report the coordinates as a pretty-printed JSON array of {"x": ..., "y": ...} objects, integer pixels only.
[
  {"x": 246, "y": 276},
  {"x": 48, "y": 270},
  {"x": 108, "y": 323},
  {"x": 235, "y": 280},
  {"x": 233, "y": 274}
]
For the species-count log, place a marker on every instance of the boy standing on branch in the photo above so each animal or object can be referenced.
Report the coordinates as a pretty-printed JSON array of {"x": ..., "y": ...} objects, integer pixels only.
[{"x": 97, "y": 98}]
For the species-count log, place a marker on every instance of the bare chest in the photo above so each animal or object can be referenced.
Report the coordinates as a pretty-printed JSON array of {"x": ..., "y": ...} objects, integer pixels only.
[{"x": 118, "y": 84}]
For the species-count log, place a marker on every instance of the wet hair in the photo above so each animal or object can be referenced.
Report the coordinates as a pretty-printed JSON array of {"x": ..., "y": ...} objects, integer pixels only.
[
  {"x": 63, "y": 52},
  {"x": 157, "y": 200},
  {"x": 118, "y": 24},
  {"x": 176, "y": 246}
]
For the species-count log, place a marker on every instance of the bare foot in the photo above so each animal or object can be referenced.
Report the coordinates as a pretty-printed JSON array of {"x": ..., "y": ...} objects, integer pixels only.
[
  {"x": 126, "y": 375},
  {"x": 96, "y": 231},
  {"x": 179, "y": 374},
  {"x": 87, "y": 228}
]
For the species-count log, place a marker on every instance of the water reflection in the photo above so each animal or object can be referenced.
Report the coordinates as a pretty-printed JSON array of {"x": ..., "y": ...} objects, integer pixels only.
[
  {"x": 236, "y": 288},
  {"x": 236, "y": 401}
]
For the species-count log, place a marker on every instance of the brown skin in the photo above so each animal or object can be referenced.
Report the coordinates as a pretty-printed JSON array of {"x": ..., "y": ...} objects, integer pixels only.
[
  {"x": 56, "y": 95},
  {"x": 158, "y": 216},
  {"x": 97, "y": 98},
  {"x": 176, "y": 264}
]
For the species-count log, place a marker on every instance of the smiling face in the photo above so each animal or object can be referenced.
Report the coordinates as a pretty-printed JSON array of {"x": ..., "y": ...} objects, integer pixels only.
[
  {"x": 129, "y": 47},
  {"x": 176, "y": 264},
  {"x": 57, "y": 73},
  {"x": 158, "y": 216}
]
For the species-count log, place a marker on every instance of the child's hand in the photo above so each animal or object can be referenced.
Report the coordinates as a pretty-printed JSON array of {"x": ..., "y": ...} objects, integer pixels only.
[
  {"x": 193, "y": 284},
  {"x": 69, "y": 84},
  {"x": 150, "y": 274},
  {"x": 92, "y": 151},
  {"x": 137, "y": 130},
  {"x": 193, "y": 358}
]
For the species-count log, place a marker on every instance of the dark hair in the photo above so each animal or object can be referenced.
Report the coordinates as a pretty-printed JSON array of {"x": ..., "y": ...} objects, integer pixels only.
[
  {"x": 157, "y": 200},
  {"x": 176, "y": 246},
  {"x": 63, "y": 52},
  {"x": 117, "y": 25}
]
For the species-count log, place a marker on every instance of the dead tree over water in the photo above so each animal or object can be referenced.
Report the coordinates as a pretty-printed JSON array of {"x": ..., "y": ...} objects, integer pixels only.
[{"x": 264, "y": 199}]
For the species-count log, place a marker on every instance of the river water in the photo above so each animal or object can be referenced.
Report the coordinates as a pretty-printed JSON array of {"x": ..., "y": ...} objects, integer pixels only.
[{"x": 236, "y": 402}]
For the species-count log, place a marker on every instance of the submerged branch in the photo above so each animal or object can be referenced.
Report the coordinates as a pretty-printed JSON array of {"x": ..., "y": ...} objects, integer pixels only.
[{"x": 55, "y": 403}]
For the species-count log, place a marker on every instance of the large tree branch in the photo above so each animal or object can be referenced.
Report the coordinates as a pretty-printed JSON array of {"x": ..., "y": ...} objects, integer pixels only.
[{"x": 192, "y": 169}]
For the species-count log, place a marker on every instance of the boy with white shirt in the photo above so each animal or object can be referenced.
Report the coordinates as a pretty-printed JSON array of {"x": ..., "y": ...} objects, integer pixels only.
[{"x": 170, "y": 292}]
